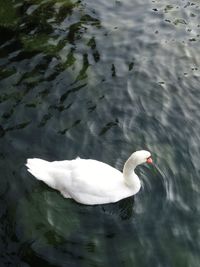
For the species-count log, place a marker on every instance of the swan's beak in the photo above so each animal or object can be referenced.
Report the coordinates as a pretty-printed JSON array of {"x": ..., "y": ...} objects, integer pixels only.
[{"x": 149, "y": 160}]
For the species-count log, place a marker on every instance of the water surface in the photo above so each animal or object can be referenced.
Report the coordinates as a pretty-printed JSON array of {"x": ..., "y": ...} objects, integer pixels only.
[{"x": 100, "y": 80}]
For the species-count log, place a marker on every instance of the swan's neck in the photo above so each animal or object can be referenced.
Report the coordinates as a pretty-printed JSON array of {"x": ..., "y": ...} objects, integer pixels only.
[{"x": 131, "y": 178}]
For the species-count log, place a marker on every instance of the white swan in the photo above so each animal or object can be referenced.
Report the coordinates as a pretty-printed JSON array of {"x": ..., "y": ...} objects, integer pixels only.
[{"x": 89, "y": 181}]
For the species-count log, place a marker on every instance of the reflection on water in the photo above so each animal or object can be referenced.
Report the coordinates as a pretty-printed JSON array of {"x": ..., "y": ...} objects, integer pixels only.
[{"x": 100, "y": 79}]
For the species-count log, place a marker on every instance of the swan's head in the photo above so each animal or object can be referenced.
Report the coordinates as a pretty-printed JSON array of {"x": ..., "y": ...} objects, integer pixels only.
[{"x": 141, "y": 156}]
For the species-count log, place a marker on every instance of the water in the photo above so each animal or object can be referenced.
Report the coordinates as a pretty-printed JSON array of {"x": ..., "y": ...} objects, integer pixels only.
[{"x": 100, "y": 79}]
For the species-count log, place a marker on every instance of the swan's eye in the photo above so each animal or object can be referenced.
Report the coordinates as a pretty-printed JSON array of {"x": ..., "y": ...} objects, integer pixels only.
[{"x": 149, "y": 160}]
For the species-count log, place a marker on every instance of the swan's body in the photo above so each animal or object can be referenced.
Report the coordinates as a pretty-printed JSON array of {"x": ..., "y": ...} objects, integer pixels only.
[{"x": 89, "y": 181}]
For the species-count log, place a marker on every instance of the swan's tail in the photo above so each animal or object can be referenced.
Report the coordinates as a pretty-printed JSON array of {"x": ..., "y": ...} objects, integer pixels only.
[{"x": 38, "y": 168}]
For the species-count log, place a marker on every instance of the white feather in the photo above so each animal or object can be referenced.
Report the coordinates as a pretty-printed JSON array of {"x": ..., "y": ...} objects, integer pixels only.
[{"x": 89, "y": 181}]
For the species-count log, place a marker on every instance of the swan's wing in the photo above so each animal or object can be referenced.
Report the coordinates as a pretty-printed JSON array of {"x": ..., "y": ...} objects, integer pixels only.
[
  {"x": 95, "y": 172},
  {"x": 94, "y": 176}
]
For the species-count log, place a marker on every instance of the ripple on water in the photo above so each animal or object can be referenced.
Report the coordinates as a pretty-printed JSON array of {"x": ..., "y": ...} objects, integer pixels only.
[{"x": 100, "y": 80}]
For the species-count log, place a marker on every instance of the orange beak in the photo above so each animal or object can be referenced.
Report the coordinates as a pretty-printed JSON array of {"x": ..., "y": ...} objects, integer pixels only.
[{"x": 149, "y": 160}]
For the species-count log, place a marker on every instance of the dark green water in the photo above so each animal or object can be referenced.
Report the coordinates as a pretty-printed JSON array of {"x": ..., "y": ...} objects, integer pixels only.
[{"x": 100, "y": 79}]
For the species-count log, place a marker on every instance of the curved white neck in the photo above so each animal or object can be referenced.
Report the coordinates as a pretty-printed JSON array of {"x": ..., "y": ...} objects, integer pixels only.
[{"x": 131, "y": 178}]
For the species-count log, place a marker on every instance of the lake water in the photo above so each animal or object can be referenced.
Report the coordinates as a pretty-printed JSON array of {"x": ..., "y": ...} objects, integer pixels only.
[{"x": 100, "y": 79}]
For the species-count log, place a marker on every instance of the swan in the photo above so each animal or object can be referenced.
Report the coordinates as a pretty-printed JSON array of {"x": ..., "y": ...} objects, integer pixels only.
[{"x": 89, "y": 181}]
